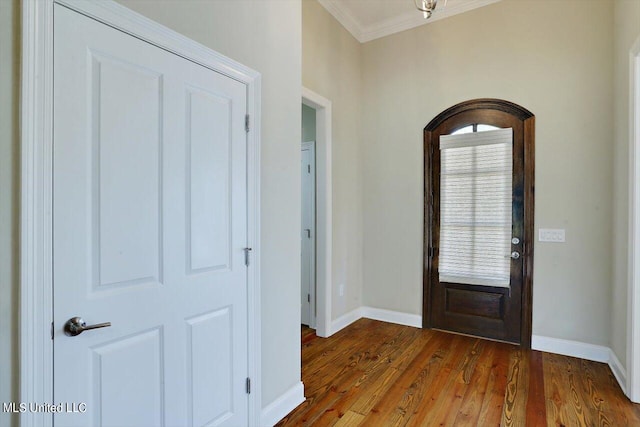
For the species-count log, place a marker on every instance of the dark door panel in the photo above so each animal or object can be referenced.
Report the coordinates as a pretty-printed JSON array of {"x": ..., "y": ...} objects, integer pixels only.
[{"x": 495, "y": 312}]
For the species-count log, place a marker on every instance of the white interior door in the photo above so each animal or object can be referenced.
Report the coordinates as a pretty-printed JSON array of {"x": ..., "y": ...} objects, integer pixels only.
[
  {"x": 149, "y": 228},
  {"x": 308, "y": 235}
]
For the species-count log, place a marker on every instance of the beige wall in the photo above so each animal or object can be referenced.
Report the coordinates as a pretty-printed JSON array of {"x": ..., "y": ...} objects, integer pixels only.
[
  {"x": 9, "y": 203},
  {"x": 332, "y": 67},
  {"x": 555, "y": 61},
  {"x": 626, "y": 32}
]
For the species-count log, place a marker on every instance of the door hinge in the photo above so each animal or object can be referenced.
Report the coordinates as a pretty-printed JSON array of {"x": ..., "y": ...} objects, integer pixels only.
[
  {"x": 51, "y": 330},
  {"x": 309, "y": 298},
  {"x": 246, "y": 123},
  {"x": 308, "y": 168},
  {"x": 248, "y": 385},
  {"x": 246, "y": 255}
]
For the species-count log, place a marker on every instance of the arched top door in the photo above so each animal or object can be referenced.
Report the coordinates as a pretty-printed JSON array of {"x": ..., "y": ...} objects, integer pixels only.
[
  {"x": 487, "y": 109},
  {"x": 478, "y": 222}
]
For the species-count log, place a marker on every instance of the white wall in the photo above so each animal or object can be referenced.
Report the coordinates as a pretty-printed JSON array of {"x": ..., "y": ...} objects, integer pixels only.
[
  {"x": 553, "y": 58},
  {"x": 626, "y": 32},
  {"x": 264, "y": 35},
  {"x": 9, "y": 203},
  {"x": 332, "y": 68}
]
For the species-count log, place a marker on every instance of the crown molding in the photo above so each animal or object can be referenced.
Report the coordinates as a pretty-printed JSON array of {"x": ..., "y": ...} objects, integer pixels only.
[
  {"x": 344, "y": 17},
  {"x": 395, "y": 24}
]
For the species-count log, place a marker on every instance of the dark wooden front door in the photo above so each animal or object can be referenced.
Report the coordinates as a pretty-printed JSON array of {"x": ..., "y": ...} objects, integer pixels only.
[{"x": 496, "y": 312}]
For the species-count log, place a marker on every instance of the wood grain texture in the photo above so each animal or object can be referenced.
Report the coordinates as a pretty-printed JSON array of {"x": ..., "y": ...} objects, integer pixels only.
[{"x": 380, "y": 374}]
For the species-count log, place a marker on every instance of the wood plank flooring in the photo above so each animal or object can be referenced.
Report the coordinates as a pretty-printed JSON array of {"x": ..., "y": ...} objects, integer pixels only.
[{"x": 380, "y": 374}]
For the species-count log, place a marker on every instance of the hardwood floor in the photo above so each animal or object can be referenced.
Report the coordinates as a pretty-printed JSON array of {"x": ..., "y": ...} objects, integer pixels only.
[{"x": 379, "y": 374}]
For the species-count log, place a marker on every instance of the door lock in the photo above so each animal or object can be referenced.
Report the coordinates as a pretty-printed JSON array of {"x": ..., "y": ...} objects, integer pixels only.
[{"x": 76, "y": 326}]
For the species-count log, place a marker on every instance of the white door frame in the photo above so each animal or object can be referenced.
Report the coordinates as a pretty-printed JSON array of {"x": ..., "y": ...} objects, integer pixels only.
[
  {"x": 324, "y": 228},
  {"x": 36, "y": 302},
  {"x": 311, "y": 146},
  {"x": 633, "y": 311}
]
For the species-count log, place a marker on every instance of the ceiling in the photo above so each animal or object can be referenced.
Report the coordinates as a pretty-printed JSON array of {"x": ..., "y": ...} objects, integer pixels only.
[{"x": 371, "y": 19}]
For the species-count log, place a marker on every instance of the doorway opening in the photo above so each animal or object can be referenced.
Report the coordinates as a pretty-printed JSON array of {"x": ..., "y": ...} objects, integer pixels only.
[
  {"x": 323, "y": 209},
  {"x": 308, "y": 222}
]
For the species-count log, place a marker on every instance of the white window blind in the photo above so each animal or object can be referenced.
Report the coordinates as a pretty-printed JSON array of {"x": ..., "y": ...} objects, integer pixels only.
[{"x": 475, "y": 207}]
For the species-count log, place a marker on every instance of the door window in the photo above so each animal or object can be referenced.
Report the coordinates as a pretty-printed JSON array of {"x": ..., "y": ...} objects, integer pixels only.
[{"x": 475, "y": 207}]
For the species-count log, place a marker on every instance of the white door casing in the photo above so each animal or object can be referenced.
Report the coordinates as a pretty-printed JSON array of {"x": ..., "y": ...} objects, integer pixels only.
[
  {"x": 308, "y": 235},
  {"x": 152, "y": 185},
  {"x": 633, "y": 308}
]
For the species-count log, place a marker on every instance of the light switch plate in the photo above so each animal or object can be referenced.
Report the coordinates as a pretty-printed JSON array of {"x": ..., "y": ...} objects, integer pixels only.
[{"x": 551, "y": 235}]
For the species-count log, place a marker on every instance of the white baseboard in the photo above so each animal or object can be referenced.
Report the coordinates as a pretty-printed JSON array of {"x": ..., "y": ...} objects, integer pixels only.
[
  {"x": 390, "y": 316},
  {"x": 345, "y": 320},
  {"x": 279, "y": 408},
  {"x": 618, "y": 370},
  {"x": 596, "y": 353}
]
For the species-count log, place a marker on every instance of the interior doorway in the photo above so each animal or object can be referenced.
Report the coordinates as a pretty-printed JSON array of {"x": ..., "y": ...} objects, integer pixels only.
[
  {"x": 308, "y": 226},
  {"x": 323, "y": 208}
]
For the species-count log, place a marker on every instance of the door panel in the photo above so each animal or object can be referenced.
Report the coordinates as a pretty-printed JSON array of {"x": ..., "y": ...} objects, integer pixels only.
[
  {"x": 498, "y": 312},
  {"x": 208, "y": 367},
  {"x": 124, "y": 258},
  {"x": 150, "y": 222},
  {"x": 208, "y": 148},
  {"x": 129, "y": 371}
]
